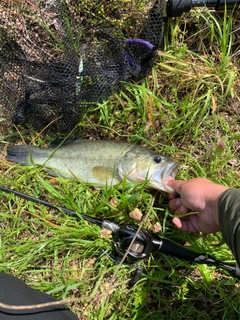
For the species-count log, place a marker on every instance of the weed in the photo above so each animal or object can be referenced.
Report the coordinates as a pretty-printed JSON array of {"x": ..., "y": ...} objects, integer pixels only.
[{"x": 187, "y": 108}]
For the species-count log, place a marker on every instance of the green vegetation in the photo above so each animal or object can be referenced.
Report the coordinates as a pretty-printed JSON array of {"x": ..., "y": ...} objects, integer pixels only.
[{"x": 188, "y": 109}]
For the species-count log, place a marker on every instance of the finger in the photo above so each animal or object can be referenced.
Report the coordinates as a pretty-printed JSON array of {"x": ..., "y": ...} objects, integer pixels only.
[
  {"x": 184, "y": 225},
  {"x": 172, "y": 196},
  {"x": 177, "y": 206},
  {"x": 181, "y": 210},
  {"x": 178, "y": 223},
  {"x": 174, "y": 204}
]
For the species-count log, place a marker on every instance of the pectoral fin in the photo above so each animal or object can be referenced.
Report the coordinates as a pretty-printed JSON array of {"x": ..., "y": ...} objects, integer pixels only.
[{"x": 104, "y": 175}]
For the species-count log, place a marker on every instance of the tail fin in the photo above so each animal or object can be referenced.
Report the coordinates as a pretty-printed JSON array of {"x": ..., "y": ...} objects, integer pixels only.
[{"x": 19, "y": 154}]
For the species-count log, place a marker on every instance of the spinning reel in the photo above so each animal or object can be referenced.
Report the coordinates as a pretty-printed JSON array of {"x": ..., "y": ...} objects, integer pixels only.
[
  {"x": 139, "y": 244},
  {"x": 134, "y": 244}
]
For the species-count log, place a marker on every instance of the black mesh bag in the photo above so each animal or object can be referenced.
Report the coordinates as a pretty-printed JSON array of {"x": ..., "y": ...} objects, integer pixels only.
[{"x": 59, "y": 57}]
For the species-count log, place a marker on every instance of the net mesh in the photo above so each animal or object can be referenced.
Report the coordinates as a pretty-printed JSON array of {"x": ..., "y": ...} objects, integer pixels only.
[{"x": 58, "y": 58}]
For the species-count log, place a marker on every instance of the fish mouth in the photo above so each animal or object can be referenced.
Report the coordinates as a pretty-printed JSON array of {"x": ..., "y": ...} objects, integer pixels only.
[{"x": 160, "y": 180}]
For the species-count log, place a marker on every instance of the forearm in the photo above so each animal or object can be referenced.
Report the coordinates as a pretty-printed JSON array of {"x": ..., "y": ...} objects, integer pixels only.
[{"x": 229, "y": 220}]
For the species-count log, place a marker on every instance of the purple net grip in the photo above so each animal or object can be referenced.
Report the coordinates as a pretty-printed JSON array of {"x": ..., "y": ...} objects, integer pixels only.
[
  {"x": 145, "y": 43},
  {"x": 130, "y": 59}
]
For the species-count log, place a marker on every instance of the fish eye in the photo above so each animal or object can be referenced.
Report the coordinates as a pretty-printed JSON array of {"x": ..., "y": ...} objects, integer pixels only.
[{"x": 157, "y": 159}]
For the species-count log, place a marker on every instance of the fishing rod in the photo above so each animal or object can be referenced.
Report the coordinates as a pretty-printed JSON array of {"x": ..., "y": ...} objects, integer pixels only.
[
  {"x": 136, "y": 244},
  {"x": 175, "y": 8}
]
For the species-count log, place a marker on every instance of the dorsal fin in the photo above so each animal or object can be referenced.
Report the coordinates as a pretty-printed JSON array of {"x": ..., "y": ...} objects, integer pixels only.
[{"x": 63, "y": 142}]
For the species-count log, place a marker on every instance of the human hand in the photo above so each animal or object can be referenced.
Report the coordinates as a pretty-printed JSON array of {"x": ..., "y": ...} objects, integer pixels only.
[{"x": 198, "y": 195}]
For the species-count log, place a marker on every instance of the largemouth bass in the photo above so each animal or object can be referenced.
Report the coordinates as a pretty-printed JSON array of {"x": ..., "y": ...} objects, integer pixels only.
[{"x": 100, "y": 163}]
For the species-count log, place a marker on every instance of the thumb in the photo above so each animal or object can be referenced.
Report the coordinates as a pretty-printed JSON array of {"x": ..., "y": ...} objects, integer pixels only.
[{"x": 176, "y": 185}]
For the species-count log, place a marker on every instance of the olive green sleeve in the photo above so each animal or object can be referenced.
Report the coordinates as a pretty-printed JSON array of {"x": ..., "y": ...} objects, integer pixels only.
[{"x": 229, "y": 220}]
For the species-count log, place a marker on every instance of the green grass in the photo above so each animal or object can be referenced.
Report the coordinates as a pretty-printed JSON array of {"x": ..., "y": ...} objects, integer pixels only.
[{"x": 188, "y": 109}]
